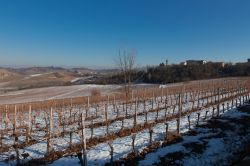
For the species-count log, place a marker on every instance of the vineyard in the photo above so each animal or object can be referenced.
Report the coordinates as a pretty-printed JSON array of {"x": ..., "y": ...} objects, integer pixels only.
[{"x": 114, "y": 129}]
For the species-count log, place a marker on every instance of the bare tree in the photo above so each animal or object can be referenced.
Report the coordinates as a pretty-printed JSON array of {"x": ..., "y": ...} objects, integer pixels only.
[{"x": 126, "y": 63}]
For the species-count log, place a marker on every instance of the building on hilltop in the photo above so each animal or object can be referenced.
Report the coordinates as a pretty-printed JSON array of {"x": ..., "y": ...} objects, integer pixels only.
[
  {"x": 193, "y": 62},
  {"x": 220, "y": 64}
]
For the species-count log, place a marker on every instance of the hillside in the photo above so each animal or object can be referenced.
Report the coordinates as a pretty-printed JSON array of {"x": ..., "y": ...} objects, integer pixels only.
[{"x": 12, "y": 79}]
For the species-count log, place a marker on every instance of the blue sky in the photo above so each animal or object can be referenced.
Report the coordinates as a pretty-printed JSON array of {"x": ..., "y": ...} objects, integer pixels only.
[{"x": 90, "y": 33}]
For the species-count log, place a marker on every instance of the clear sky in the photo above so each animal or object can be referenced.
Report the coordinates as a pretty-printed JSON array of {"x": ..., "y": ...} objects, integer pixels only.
[{"x": 90, "y": 33}]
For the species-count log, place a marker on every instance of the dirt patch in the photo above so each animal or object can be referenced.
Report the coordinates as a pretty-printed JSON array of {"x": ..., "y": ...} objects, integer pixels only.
[
  {"x": 171, "y": 158},
  {"x": 195, "y": 147},
  {"x": 217, "y": 124}
]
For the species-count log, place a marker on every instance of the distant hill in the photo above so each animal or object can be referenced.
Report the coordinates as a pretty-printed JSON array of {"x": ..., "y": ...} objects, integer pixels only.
[
  {"x": 6, "y": 75},
  {"x": 36, "y": 70},
  {"x": 35, "y": 77}
]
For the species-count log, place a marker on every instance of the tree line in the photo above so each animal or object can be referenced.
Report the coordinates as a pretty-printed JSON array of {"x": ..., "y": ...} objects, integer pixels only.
[
  {"x": 169, "y": 73},
  {"x": 165, "y": 73}
]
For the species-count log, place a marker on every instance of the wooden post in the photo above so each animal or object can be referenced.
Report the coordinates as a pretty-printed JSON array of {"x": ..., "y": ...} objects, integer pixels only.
[
  {"x": 218, "y": 109},
  {"x": 135, "y": 115},
  {"x": 144, "y": 106},
  {"x": 198, "y": 105},
  {"x": 88, "y": 101},
  {"x": 189, "y": 123},
  {"x": 174, "y": 106},
  {"x": 166, "y": 134},
  {"x": 70, "y": 138},
  {"x": 232, "y": 104},
  {"x": 206, "y": 115},
  {"x": 179, "y": 118},
  {"x": 132, "y": 94},
  {"x": 126, "y": 104},
  {"x": 92, "y": 128},
  {"x": 51, "y": 120},
  {"x": 84, "y": 141},
  {"x": 123, "y": 108},
  {"x": 111, "y": 153},
  {"x": 48, "y": 142},
  {"x": 146, "y": 117},
  {"x": 178, "y": 126},
  {"x": 157, "y": 112},
  {"x": 108, "y": 100},
  {"x": 166, "y": 100},
  {"x": 86, "y": 112},
  {"x": 6, "y": 117},
  {"x": 63, "y": 126},
  {"x": 27, "y": 135},
  {"x": 223, "y": 107},
  {"x": 122, "y": 124},
  {"x": 150, "y": 135},
  {"x": 133, "y": 136},
  {"x": 14, "y": 123},
  {"x": 1, "y": 137},
  {"x": 17, "y": 155},
  {"x": 161, "y": 94},
  {"x": 49, "y": 148},
  {"x": 166, "y": 111},
  {"x": 218, "y": 95},
  {"x": 106, "y": 119},
  {"x": 30, "y": 121},
  {"x": 198, "y": 118},
  {"x": 117, "y": 112},
  {"x": 186, "y": 97},
  {"x": 152, "y": 103}
]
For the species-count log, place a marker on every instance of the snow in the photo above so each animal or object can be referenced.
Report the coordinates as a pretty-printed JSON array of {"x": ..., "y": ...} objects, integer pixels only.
[
  {"x": 80, "y": 78},
  {"x": 56, "y": 92},
  {"x": 40, "y": 74},
  {"x": 235, "y": 114},
  {"x": 99, "y": 154},
  {"x": 218, "y": 150},
  {"x": 66, "y": 161},
  {"x": 152, "y": 157}
]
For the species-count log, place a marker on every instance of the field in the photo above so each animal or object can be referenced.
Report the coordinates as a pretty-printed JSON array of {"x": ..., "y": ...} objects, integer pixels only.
[
  {"x": 114, "y": 129},
  {"x": 12, "y": 79},
  {"x": 56, "y": 92}
]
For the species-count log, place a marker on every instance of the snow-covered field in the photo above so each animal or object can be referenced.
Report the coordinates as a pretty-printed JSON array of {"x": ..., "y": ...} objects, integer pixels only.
[
  {"x": 218, "y": 146},
  {"x": 99, "y": 154},
  {"x": 59, "y": 92}
]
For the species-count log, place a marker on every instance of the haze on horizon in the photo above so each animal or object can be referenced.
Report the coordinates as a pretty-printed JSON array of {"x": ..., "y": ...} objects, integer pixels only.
[{"x": 90, "y": 33}]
